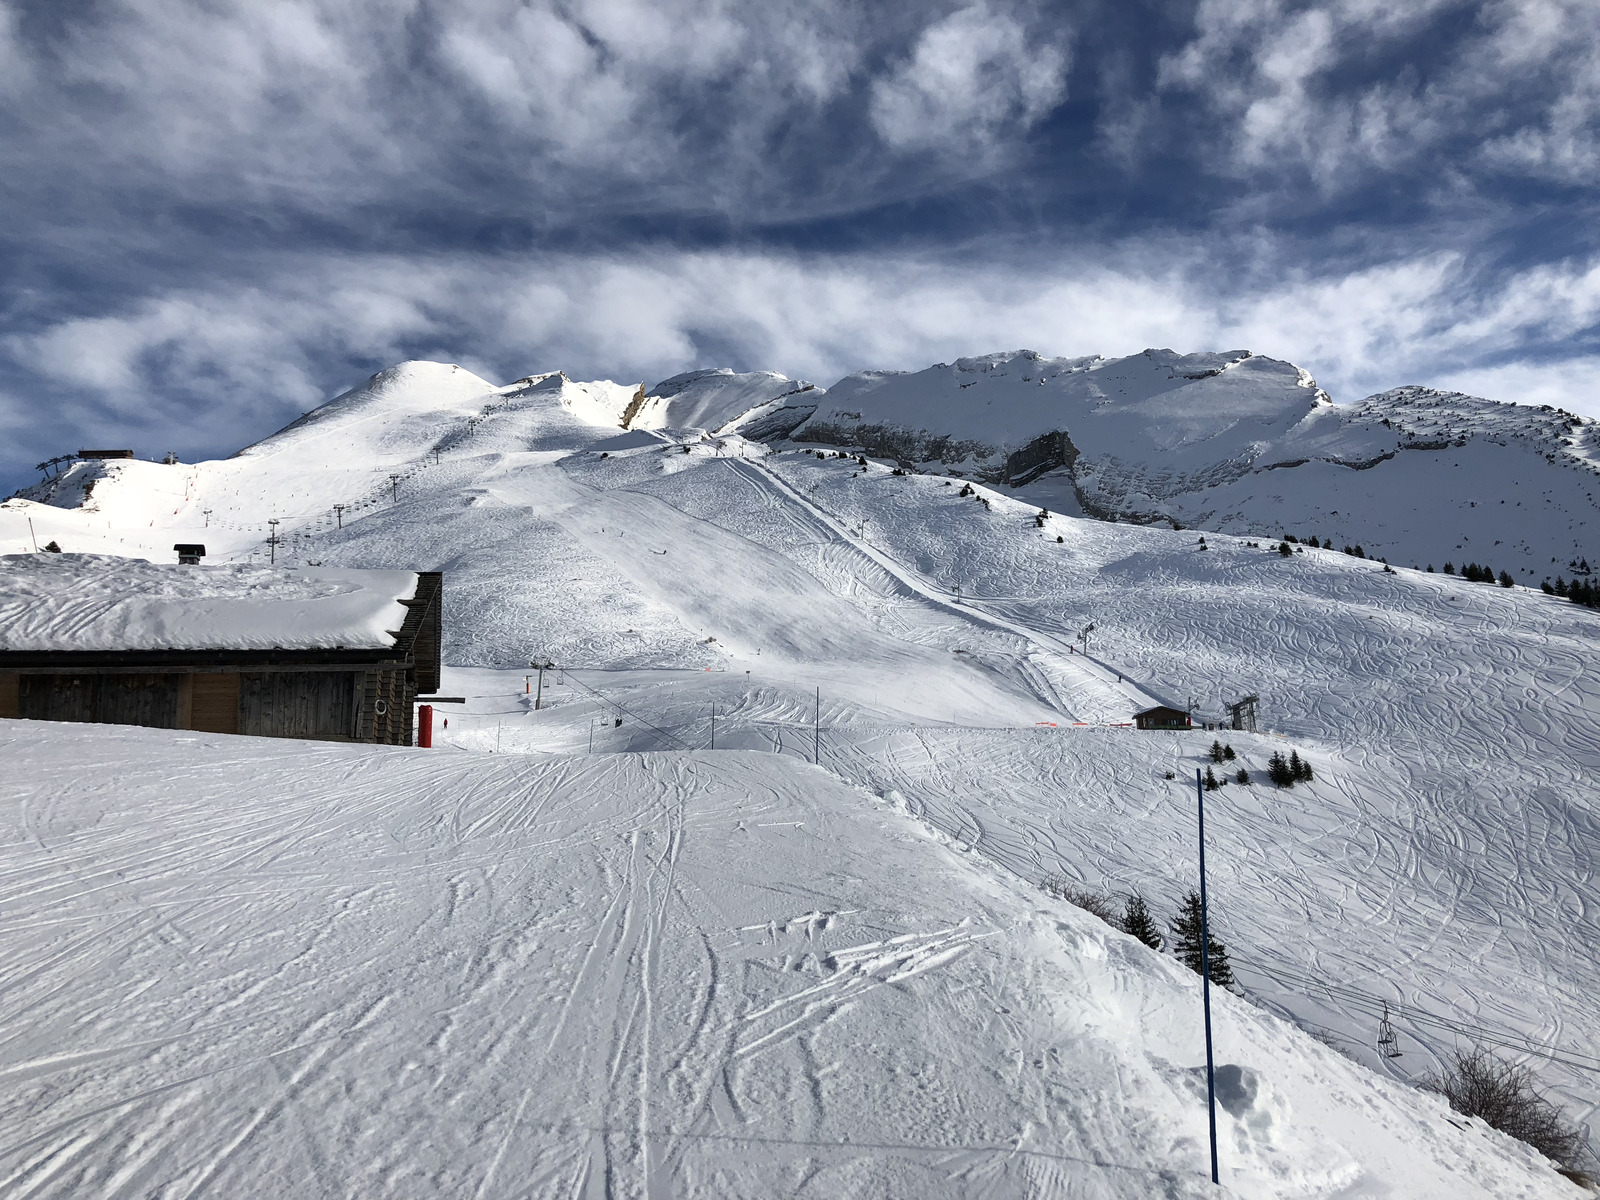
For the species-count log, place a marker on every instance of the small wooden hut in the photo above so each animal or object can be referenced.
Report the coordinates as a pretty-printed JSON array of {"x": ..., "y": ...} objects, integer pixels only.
[
  {"x": 314, "y": 653},
  {"x": 1162, "y": 717}
]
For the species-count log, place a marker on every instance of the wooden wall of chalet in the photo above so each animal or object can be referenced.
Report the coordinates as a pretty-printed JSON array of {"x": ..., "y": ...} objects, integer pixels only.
[
  {"x": 422, "y": 635},
  {"x": 152, "y": 700},
  {"x": 365, "y": 706},
  {"x": 386, "y": 707},
  {"x": 214, "y": 702},
  {"x": 299, "y": 704}
]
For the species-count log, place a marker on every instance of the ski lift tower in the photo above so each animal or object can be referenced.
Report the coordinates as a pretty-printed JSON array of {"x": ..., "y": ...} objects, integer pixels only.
[
  {"x": 540, "y": 665},
  {"x": 1244, "y": 713}
]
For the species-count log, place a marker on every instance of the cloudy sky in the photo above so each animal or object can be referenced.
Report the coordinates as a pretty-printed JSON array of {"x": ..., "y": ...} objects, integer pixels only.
[{"x": 219, "y": 213}]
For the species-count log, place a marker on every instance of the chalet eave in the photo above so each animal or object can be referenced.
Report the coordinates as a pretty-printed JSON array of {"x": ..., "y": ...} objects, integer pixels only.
[{"x": 66, "y": 662}]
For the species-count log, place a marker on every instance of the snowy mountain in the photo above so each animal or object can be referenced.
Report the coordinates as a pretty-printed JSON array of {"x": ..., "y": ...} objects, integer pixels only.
[
  {"x": 1231, "y": 442},
  {"x": 827, "y": 943},
  {"x": 1244, "y": 444}
]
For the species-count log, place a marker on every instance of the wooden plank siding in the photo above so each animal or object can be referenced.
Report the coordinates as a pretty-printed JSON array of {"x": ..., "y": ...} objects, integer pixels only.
[
  {"x": 143, "y": 699},
  {"x": 299, "y": 704},
  {"x": 214, "y": 702},
  {"x": 422, "y": 633}
]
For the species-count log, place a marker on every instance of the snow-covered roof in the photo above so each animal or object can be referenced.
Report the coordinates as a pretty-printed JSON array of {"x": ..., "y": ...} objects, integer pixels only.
[{"x": 63, "y": 602}]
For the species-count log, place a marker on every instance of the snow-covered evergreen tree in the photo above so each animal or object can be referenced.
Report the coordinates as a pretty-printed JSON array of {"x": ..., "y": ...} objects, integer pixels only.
[
  {"x": 1186, "y": 942},
  {"x": 1278, "y": 770}
]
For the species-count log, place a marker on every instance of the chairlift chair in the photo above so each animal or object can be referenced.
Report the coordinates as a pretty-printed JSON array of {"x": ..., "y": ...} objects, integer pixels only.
[{"x": 1388, "y": 1043}]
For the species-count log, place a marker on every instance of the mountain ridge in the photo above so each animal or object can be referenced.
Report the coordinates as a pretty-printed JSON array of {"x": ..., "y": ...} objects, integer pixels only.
[{"x": 1229, "y": 441}]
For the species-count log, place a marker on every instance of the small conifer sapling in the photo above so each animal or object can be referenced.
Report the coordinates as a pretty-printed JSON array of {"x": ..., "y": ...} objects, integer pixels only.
[{"x": 1137, "y": 922}]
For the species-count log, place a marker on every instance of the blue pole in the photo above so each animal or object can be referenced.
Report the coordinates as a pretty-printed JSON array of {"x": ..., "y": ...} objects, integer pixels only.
[{"x": 1205, "y": 979}]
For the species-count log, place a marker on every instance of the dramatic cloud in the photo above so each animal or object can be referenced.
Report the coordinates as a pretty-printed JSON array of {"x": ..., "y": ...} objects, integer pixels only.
[
  {"x": 970, "y": 78},
  {"x": 219, "y": 214}
]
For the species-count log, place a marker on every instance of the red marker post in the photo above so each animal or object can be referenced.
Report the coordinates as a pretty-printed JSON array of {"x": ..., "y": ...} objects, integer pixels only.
[{"x": 425, "y": 726}]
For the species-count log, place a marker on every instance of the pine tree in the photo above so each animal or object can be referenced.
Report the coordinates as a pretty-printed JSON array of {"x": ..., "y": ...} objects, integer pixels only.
[
  {"x": 1227, "y": 753},
  {"x": 1506, "y": 580},
  {"x": 1296, "y": 767},
  {"x": 1449, "y": 570},
  {"x": 1216, "y": 751},
  {"x": 1137, "y": 922},
  {"x": 1211, "y": 781},
  {"x": 1242, "y": 777},
  {"x": 1186, "y": 942},
  {"x": 1283, "y": 549},
  {"x": 1278, "y": 770}
]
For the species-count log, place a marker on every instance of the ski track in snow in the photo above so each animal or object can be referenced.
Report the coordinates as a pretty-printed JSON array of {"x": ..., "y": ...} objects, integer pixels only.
[{"x": 275, "y": 969}]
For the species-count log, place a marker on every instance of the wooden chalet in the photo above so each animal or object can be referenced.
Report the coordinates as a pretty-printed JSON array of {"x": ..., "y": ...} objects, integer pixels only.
[
  {"x": 279, "y": 653},
  {"x": 1162, "y": 717}
]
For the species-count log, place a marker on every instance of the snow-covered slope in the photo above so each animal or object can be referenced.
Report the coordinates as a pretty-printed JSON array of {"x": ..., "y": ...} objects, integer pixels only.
[
  {"x": 761, "y": 404},
  {"x": 1442, "y": 862},
  {"x": 265, "y": 969}
]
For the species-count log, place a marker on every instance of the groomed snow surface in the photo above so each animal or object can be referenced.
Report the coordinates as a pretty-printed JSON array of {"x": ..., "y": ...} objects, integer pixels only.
[
  {"x": 578, "y": 951},
  {"x": 241, "y": 967}
]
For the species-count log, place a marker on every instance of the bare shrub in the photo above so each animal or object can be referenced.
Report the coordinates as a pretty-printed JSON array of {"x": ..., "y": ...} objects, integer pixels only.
[
  {"x": 1477, "y": 1084},
  {"x": 1063, "y": 888}
]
